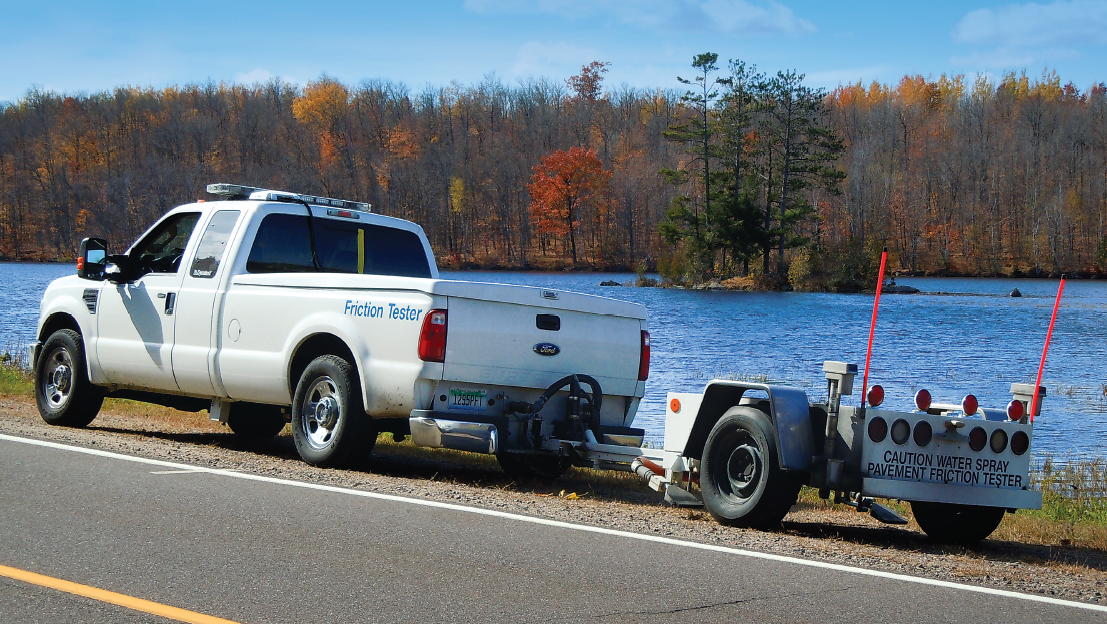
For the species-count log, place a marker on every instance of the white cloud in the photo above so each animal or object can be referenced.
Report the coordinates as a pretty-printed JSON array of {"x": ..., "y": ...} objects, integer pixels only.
[
  {"x": 537, "y": 59},
  {"x": 1060, "y": 23},
  {"x": 258, "y": 75},
  {"x": 740, "y": 17}
]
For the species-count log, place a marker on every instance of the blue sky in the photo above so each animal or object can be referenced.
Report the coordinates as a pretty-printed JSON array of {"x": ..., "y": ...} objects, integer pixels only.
[{"x": 86, "y": 46}]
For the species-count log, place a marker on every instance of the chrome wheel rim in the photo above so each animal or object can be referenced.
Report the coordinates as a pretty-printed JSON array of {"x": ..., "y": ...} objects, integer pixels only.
[
  {"x": 321, "y": 413},
  {"x": 57, "y": 378}
]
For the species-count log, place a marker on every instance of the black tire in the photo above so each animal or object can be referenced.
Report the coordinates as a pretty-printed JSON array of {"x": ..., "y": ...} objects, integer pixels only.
[
  {"x": 329, "y": 423},
  {"x": 255, "y": 421},
  {"x": 64, "y": 395},
  {"x": 526, "y": 466},
  {"x": 740, "y": 475},
  {"x": 956, "y": 524}
]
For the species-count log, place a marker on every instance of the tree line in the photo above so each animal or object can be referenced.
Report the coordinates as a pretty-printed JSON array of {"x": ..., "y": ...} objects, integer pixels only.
[{"x": 739, "y": 174}]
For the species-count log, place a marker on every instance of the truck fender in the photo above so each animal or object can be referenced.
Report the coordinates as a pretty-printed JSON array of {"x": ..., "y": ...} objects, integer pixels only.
[
  {"x": 67, "y": 312},
  {"x": 788, "y": 411},
  {"x": 325, "y": 323}
]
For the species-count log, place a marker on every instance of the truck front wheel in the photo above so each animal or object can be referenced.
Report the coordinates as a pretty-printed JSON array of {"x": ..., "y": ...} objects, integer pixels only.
[
  {"x": 956, "y": 524},
  {"x": 329, "y": 423},
  {"x": 740, "y": 474},
  {"x": 63, "y": 392}
]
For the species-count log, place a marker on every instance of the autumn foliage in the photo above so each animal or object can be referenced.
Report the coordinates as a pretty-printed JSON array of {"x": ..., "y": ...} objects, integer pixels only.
[{"x": 563, "y": 185}]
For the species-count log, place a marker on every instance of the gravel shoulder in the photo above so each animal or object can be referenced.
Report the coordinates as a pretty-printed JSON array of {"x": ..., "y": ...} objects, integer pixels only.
[{"x": 811, "y": 531}]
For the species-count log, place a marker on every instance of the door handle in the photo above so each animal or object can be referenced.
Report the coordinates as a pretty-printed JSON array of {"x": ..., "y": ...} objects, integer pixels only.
[{"x": 170, "y": 300}]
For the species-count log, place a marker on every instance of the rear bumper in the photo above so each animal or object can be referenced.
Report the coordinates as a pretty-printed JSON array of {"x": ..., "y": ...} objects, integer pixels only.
[
  {"x": 957, "y": 494},
  {"x": 427, "y": 430}
]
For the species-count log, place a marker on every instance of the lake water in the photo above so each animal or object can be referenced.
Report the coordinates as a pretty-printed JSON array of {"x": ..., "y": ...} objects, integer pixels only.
[{"x": 962, "y": 336}]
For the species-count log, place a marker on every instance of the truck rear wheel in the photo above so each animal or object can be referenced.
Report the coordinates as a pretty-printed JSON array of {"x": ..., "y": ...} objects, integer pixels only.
[
  {"x": 740, "y": 475},
  {"x": 63, "y": 392},
  {"x": 956, "y": 524},
  {"x": 329, "y": 423},
  {"x": 526, "y": 466},
  {"x": 255, "y": 421}
]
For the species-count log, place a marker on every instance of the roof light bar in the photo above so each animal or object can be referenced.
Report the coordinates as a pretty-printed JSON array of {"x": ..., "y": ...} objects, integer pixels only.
[{"x": 236, "y": 191}]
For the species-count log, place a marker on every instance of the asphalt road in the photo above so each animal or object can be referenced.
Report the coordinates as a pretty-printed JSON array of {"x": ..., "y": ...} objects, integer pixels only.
[{"x": 255, "y": 550}]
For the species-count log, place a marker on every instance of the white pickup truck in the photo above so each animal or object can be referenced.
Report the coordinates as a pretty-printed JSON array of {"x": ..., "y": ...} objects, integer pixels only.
[{"x": 268, "y": 300}]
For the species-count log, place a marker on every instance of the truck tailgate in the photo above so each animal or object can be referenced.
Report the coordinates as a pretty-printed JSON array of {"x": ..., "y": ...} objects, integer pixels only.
[{"x": 496, "y": 342}]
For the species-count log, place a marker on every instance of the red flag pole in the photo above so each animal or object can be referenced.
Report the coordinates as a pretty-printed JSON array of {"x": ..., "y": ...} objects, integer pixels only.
[
  {"x": 1049, "y": 334},
  {"x": 872, "y": 327}
]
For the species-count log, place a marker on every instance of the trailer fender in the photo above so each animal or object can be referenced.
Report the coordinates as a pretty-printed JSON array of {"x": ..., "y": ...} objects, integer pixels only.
[{"x": 788, "y": 411}]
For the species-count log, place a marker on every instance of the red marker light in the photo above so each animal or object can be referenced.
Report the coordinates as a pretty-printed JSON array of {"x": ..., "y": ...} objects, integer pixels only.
[
  {"x": 876, "y": 395},
  {"x": 674, "y": 406},
  {"x": 1016, "y": 410},
  {"x": 969, "y": 405},
  {"x": 922, "y": 399},
  {"x": 80, "y": 263}
]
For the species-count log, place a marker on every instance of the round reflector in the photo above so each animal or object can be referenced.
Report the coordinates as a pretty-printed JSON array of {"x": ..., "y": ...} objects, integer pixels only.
[
  {"x": 1020, "y": 442},
  {"x": 998, "y": 441},
  {"x": 923, "y": 433},
  {"x": 674, "y": 406},
  {"x": 900, "y": 431},
  {"x": 878, "y": 429},
  {"x": 922, "y": 399},
  {"x": 969, "y": 405},
  {"x": 1015, "y": 410},
  {"x": 876, "y": 395},
  {"x": 978, "y": 438}
]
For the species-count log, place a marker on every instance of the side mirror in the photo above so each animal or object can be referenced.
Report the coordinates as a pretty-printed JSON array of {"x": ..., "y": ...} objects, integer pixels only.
[
  {"x": 116, "y": 270},
  {"x": 92, "y": 259}
]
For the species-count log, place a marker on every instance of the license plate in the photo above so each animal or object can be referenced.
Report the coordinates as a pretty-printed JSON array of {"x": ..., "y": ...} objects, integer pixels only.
[{"x": 468, "y": 400}]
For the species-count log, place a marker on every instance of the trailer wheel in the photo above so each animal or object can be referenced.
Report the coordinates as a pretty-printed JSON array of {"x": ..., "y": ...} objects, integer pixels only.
[
  {"x": 64, "y": 395},
  {"x": 740, "y": 473},
  {"x": 956, "y": 524},
  {"x": 329, "y": 423},
  {"x": 525, "y": 466},
  {"x": 254, "y": 421}
]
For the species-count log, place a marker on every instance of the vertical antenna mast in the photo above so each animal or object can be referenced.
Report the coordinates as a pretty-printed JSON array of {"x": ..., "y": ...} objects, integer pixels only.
[
  {"x": 872, "y": 327},
  {"x": 1049, "y": 334}
]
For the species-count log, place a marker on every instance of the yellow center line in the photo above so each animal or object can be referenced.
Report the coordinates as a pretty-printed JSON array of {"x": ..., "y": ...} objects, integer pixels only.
[{"x": 123, "y": 600}]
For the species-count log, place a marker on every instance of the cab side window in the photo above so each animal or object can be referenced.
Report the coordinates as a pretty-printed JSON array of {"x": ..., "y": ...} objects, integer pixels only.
[
  {"x": 282, "y": 245},
  {"x": 161, "y": 250}
]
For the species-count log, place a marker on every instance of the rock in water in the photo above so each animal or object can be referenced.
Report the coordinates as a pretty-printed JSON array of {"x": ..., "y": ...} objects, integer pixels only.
[
  {"x": 610, "y": 283},
  {"x": 1016, "y": 293}
]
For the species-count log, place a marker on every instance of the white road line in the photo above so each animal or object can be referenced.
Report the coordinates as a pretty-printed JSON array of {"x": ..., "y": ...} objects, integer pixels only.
[
  {"x": 189, "y": 471},
  {"x": 567, "y": 525}
]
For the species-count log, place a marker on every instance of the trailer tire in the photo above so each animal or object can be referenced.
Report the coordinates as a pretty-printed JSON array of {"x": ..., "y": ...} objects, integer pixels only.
[
  {"x": 956, "y": 524},
  {"x": 255, "y": 421},
  {"x": 740, "y": 475},
  {"x": 64, "y": 395},
  {"x": 541, "y": 467},
  {"x": 329, "y": 423}
]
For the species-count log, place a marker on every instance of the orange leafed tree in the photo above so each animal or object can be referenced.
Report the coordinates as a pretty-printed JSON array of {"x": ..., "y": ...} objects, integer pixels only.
[{"x": 563, "y": 184}]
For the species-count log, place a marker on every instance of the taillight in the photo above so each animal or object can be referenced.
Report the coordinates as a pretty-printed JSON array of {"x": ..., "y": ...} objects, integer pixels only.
[
  {"x": 644, "y": 357},
  {"x": 978, "y": 438},
  {"x": 876, "y": 395},
  {"x": 922, "y": 399},
  {"x": 1020, "y": 442},
  {"x": 900, "y": 431},
  {"x": 924, "y": 433},
  {"x": 998, "y": 441},
  {"x": 432, "y": 338},
  {"x": 878, "y": 429},
  {"x": 1015, "y": 410},
  {"x": 969, "y": 405}
]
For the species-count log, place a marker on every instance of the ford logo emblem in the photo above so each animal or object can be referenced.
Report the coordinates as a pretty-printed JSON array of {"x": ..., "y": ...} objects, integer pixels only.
[{"x": 546, "y": 348}]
